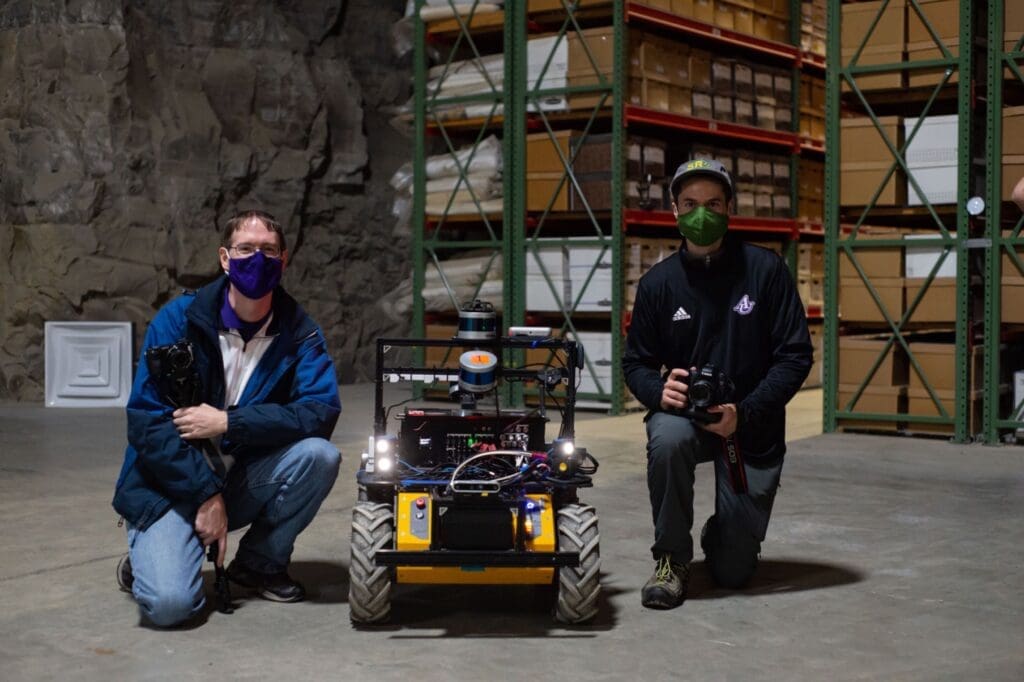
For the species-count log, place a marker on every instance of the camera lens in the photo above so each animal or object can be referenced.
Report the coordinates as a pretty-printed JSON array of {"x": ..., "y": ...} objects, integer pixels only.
[
  {"x": 179, "y": 359},
  {"x": 700, "y": 393}
]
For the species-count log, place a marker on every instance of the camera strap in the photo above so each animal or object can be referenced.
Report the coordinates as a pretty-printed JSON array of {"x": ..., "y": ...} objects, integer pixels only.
[{"x": 734, "y": 464}]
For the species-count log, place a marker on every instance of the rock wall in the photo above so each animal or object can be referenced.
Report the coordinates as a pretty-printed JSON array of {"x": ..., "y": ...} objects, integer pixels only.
[{"x": 130, "y": 130}]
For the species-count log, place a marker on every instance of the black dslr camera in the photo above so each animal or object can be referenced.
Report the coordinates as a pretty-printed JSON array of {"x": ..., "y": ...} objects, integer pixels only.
[
  {"x": 708, "y": 386},
  {"x": 173, "y": 369}
]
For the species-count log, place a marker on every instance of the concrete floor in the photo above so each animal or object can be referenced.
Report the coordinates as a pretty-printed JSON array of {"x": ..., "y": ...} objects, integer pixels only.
[{"x": 887, "y": 558}]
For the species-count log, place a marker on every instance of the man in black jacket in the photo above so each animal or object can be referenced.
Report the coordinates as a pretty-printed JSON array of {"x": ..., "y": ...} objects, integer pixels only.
[{"x": 718, "y": 302}]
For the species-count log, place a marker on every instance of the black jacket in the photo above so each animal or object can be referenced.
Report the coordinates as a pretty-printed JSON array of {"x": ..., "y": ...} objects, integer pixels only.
[{"x": 738, "y": 310}]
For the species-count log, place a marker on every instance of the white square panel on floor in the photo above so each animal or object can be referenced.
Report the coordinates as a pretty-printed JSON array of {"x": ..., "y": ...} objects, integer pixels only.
[{"x": 88, "y": 364}]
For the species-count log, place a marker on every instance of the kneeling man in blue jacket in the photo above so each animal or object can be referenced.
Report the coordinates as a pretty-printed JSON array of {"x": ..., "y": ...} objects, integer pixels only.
[{"x": 254, "y": 450}]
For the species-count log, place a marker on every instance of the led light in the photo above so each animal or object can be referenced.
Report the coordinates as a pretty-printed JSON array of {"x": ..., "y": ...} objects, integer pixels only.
[
  {"x": 365, "y": 456},
  {"x": 383, "y": 445},
  {"x": 384, "y": 464},
  {"x": 568, "y": 448}
]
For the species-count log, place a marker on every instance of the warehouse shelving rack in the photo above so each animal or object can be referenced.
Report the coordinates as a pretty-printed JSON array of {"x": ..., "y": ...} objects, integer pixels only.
[
  {"x": 978, "y": 101},
  {"x": 517, "y": 233},
  {"x": 997, "y": 218}
]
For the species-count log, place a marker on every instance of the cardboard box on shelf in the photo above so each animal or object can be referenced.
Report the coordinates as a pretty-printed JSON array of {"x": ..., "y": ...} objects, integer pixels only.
[
  {"x": 441, "y": 357},
  {"x": 921, "y": 404},
  {"x": 700, "y": 70},
  {"x": 932, "y": 76},
  {"x": 889, "y": 30},
  {"x": 722, "y": 108},
  {"x": 1008, "y": 269},
  {"x": 858, "y": 354},
  {"x": 743, "y": 110},
  {"x": 938, "y": 362},
  {"x": 542, "y": 153},
  {"x": 938, "y": 302},
  {"x": 887, "y": 400},
  {"x": 881, "y": 261},
  {"x": 857, "y": 305},
  {"x": 683, "y": 8},
  {"x": 702, "y": 105},
  {"x": 657, "y": 94},
  {"x": 743, "y": 80},
  {"x": 891, "y": 80},
  {"x": 704, "y": 10},
  {"x": 860, "y": 181},
  {"x": 861, "y": 141},
  {"x": 762, "y": 25},
  {"x": 743, "y": 20},
  {"x": 779, "y": 29},
  {"x": 783, "y": 83},
  {"x": 1011, "y": 295},
  {"x": 643, "y": 155},
  {"x": 725, "y": 17},
  {"x": 721, "y": 75},
  {"x": 921, "y": 259},
  {"x": 783, "y": 118},
  {"x": 764, "y": 85},
  {"x": 541, "y": 186},
  {"x": 680, "y": 101},
  {"x": 549, "y": 5},
  {"x": 944, "y": 17},
  {"x": 1017, "y": 412}
]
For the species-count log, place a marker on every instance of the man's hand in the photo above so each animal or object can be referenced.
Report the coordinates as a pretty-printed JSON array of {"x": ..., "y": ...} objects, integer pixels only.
[
  {"x": 202, "y": 421},
  {"x": 727, "y": 425},
  {"x": 673, "y": 395},
  {"x": 212, "y": 525}
]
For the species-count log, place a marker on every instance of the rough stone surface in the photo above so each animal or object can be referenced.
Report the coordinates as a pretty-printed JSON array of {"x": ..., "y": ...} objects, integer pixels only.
[{"x": 130, "y": 130}]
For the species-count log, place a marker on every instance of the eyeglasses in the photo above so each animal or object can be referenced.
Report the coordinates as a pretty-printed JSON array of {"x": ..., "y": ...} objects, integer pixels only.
[{"x": 246, "y": 250}]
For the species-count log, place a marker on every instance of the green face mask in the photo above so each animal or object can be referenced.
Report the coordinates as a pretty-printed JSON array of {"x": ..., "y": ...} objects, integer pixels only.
[{"x": 702, "y": 226}]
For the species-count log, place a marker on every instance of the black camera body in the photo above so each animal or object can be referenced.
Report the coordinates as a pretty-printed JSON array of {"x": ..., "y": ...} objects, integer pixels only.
[
  {"x": 173, "y": 368},
  {"x": 708, "y": 385}
]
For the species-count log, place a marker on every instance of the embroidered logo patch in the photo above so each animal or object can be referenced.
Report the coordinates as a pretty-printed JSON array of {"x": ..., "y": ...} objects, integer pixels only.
[
  {"x": 680, "y": 315},
  {"x": 745, "y": 306}
]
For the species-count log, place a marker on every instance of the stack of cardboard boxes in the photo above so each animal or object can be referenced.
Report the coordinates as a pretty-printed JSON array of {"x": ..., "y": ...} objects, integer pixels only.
[
  {"x": 810, "y": 272},
  {"x": 813, "y": 26},
  {"x": 884, "y": 45},
  {"x": 811, "y": 191},
  {"x": 767, "y": 19},
  {"x": 812, "y": 107},
  {"x": 762, "y": 182},
  {"x": 810, "y": 266},
  {"x": 591, "y": 161},
  {"x": 1012, "y": 293},
  {"x": 865, "y": 160}
]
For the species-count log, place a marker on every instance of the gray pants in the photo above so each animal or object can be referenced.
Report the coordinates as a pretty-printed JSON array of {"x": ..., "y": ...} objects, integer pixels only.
[{"x": 674, "y": 448}]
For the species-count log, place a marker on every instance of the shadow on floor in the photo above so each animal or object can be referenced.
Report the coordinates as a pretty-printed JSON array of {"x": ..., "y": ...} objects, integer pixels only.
[
  {"x": 486, "y": 611},
  {"x": 775, "y": 576}
]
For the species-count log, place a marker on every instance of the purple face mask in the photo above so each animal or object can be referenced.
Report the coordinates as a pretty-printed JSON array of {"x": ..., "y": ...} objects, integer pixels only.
[{"x": 255, "y": 276}]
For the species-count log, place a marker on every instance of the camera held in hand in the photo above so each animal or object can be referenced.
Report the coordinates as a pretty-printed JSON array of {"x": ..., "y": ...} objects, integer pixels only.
[
  {"x": 708, "y": 385},
  {"x": 173, "y": 369}
]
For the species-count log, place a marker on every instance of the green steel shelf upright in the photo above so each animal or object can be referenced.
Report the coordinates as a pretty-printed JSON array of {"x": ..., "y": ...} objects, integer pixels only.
[
  {"x": 1005, "y": 52},
  {"x": 840, "y": 71},
  {"x": 531, "y": 233},
  {"x": 437, "y": 237}
]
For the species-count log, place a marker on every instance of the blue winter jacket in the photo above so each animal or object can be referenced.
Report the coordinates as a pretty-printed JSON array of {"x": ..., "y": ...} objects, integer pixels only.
[{"x": 292, "y": 394}]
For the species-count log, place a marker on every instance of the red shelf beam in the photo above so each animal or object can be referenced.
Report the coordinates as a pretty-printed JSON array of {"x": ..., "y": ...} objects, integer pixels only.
[
  {"x": 737, "y": 131},
  {"x": 750, "y": 43},
  {"x": 782, "y": 226}
]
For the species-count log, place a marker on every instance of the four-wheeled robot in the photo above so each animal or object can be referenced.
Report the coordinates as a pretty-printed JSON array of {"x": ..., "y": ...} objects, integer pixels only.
[{"x": 474, "y": 494}]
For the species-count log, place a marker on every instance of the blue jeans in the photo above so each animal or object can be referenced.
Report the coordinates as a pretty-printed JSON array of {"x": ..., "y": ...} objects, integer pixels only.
[
  {"x": 674, "y": 448},
  {"x": 278, "y": 494}
]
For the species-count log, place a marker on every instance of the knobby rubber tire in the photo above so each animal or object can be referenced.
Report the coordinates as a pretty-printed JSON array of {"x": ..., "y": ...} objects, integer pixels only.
[
  {"x": 580, "y": 586},
  {"x": 369, "y": 590}
]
